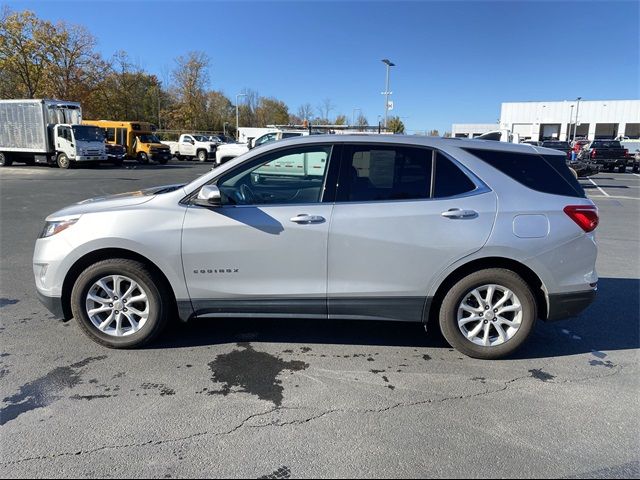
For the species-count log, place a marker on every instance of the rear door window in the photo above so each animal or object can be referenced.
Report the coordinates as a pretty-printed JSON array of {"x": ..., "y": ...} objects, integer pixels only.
[
  {"x": 543, "y": 173},
  {"x": 383, "y": 173}
]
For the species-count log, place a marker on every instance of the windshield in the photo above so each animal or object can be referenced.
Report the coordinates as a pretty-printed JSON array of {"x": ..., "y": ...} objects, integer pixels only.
[
  {"x": 201, "y": 138},
  {"x": 84, "y": 133},
  {"x": 148, "y": 138}
]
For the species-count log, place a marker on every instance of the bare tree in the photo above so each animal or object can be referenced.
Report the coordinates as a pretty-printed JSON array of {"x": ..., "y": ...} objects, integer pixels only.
[
  {"x": 325, "y": 108},
  {"x": 305, "y": 112}
]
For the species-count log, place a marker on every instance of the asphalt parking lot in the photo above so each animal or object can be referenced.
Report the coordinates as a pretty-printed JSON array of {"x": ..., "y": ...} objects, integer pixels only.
[{"x": 284, "y": 398}]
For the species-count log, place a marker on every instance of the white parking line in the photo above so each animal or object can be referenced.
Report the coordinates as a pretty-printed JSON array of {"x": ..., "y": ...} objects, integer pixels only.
[
  {"x": 601, "y": 190},
  {"x": 636, "y": 174}
]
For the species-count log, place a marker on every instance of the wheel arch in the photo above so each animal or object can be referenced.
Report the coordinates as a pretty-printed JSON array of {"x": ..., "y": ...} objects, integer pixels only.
[
  {"x": 528, "y": 275},
  {"x": 105, "y": 254}
]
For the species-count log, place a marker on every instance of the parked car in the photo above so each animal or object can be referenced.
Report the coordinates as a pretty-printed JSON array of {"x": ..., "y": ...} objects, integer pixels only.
[
  {"x": 609, "y": 154},
  {"x": 231, "y": 150},
  {"x": 580, "y": 168},
  {"x": 400, "y": 228},
  {"x": 191, "y": 146},
  {"x": 115, "y": 153}
]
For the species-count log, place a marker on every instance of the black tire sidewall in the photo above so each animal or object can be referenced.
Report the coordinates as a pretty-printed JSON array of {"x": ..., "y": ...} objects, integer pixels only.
[
  {"x": 5, "y": 161},
  {"x": 137, "y": 272},
  {"x": 448, "y": 312},
  {"x": 143, "y": 158}
]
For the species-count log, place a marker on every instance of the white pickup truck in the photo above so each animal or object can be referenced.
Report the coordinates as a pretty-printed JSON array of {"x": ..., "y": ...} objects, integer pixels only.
[
  {"x": 224, "y": 153},
  {"x": 191, "y": 146}
]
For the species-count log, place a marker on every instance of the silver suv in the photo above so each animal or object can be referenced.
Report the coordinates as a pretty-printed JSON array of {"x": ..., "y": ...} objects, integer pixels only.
[{"x": 479, "y": 237}]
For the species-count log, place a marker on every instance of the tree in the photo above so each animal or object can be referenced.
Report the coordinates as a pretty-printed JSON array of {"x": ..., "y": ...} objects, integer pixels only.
[
  {"x": 73, "y": 68},
  {"x": 341, "y": 120},
  {"x": 305, "y": 112},
  {"x": 362, "y": 121},
  {"x": 433, "y": 133},
  {"x": 23, "y": 53},
  {"x": 191, "y": 77},
  {"x": 271, "y": 111},
  {"x": 395, "y": 125},
  {"x": 324, "y": 110},
  {"x": 219, "y": 110}
]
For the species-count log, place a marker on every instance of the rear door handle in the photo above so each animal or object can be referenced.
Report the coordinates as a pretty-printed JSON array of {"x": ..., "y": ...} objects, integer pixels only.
[
  {"x": 305, "y": 218},
  {"x": 456, "y": 213}
]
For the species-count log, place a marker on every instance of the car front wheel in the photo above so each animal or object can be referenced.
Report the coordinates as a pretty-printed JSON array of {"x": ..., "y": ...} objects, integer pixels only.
[
  {"x": 119, "y": 303},
  {"x": 488, "y": 314}
]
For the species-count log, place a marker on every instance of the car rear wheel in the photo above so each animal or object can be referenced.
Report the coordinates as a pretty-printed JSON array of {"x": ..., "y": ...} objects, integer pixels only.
[
  {"x": 119, "y": 303},
  {"x": 488, "y": 314},
  {"x": 622, "y": 169}
]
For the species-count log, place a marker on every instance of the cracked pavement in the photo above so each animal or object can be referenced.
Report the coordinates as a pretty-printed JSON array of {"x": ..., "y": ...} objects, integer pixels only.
[{"x": 285, "y": 398}]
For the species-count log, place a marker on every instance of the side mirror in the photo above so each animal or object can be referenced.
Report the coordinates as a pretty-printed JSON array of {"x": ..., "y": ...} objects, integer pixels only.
[
  {"x": 250, "y": 143},
  {"x": 209, "y": 196},
  {"x": 193, "y": 142}
]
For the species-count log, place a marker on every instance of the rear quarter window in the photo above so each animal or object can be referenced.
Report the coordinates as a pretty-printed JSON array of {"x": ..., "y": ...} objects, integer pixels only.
[{"x": 543, "y": 173}]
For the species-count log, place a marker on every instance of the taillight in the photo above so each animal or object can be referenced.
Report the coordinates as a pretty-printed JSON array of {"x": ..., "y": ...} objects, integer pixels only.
[
  {"x": 626, "y": 152},
  {"x": 586, "y": 216},
  {"x": 593, "y": 153}
]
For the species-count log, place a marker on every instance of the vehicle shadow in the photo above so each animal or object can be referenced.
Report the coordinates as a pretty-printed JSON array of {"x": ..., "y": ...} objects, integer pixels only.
[{"x": 611, "y": 323}]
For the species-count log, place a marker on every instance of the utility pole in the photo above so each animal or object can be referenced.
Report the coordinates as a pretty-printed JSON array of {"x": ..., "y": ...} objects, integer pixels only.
[
  {"x": 569, "y": 124},
  {"x": 386, "y": 92},
  {"x": 237, "y": 116}
]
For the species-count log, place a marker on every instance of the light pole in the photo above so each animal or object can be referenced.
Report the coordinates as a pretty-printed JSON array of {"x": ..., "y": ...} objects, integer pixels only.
[
  {"x": 237, "y": 116},
  {"x": 575, "y": 126},
  {"x": 224, "y": 128},
  {"x": 386, "y": 92},
  {"x": 569, "y": 124}
]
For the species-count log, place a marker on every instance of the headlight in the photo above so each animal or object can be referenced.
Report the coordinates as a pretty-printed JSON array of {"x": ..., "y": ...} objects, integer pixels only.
[{"x": 52, "y": 228}]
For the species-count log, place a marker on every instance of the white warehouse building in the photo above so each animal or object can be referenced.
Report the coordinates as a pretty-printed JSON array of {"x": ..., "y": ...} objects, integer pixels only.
[{"x": 557, "y": 120}]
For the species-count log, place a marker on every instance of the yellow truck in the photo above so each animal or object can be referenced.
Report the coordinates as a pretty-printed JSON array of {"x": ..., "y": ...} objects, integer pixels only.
[{"x": 138, "y": 139}]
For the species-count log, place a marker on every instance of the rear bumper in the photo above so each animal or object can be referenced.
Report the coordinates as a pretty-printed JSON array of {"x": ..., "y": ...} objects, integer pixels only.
[
  {"x": 53, "y": 304},
  {"x": 565, "y": 305}
]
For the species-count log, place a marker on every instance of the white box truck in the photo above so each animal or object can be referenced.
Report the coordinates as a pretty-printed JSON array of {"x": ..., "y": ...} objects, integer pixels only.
[{"x": 47, "y": 131}]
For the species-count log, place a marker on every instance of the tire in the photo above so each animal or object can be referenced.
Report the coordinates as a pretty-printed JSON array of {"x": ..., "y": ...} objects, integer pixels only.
[
  {"x": 611, "y": 169},
  {"x": 155, "y": 304},
  {"x": 622, "y": 169},
  {"x": 63, "y": 161},
  {"x": 179, "y": 157},
  {"x": 635, "y": 169},
  {"x": 202, "y": 156},
  {"x": 461, "y": 293},
  {"x": 5, "y": 160},
  {"x": 163, "y": 161},
  {"x": 143, "y": 158},
  {"x": 117, "y": 163}
]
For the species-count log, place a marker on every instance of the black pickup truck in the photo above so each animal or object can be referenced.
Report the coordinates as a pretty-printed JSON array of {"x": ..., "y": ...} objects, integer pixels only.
[
  {"x": 609, "y": 154},
  {"x": 582, "y": 168}
]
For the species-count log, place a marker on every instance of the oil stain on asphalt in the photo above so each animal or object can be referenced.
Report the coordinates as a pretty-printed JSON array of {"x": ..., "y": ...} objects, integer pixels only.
[
  {"x": 44, "y": 390},
  {"x": 253, "y": 372}
]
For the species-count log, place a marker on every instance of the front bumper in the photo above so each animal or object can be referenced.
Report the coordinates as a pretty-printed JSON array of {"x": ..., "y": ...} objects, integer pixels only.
[
  {"x": 565, "y": 305},
  {"x": 161, "y": 156},
  {"x": 53, "y": 304},
  {"x": 88, "y": 158}
]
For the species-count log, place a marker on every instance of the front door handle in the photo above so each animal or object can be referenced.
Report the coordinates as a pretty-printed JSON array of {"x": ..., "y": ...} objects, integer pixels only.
[
  {"x": 457, "y": 213},
  {"x": 305, "y": 218}
]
